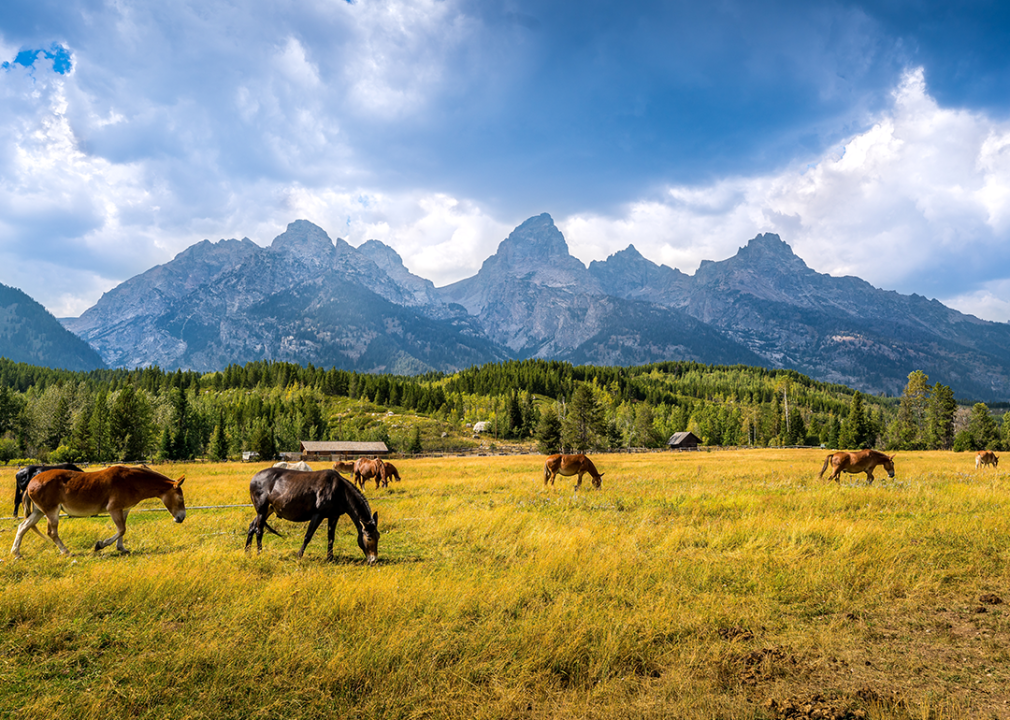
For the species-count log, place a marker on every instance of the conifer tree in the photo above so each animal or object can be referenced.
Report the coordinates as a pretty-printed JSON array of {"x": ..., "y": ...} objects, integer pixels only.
[
  {"x": 583, "y": 427},
  {"x": 548, "y": 432},
  {"x": 940, "y": 418}
]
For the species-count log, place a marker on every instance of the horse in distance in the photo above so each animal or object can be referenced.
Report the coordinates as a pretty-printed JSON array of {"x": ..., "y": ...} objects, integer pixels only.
[
  {"x": 366, "y": 468},
  {"x": 115, "y": 490},
  {"x": 982, "y": 458},
  {"x": 300, "y": 465},
  {"x": 311, "y": 497},
  {"x": 568, "y": 465},
  {"x": 25, "y": 475},
  {"x": 863, "y": 461},
  {"x": 391, "y": 471}
]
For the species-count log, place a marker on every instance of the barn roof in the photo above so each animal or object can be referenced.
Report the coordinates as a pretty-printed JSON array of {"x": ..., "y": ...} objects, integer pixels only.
[
  {"x": 343, "y": 447},
  {"x": 679, "y": 438}
]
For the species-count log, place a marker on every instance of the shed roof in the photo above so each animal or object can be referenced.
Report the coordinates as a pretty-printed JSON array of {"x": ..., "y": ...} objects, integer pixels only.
[
  {"x": 681, "y": 437},
  {"x": 343, "y": 447}
]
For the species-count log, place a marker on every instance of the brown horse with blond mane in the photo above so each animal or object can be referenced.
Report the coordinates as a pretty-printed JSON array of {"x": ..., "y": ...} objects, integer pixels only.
[
  {"x": 114, "y": 490},
  {"x": 568, "y": 465},
  {"x": 863, "y": 461}
]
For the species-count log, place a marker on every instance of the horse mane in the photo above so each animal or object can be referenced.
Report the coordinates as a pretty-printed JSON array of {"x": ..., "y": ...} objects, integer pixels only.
[{"x": 356, "y": 500}]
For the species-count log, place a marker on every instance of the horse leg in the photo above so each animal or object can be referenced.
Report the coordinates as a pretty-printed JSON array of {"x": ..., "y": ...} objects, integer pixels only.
[
  {"x": 29, "y": 524},
  {"x": 331, "y": 528},
  {"x": 578, "y": 483},
  {"x": 119, "y": 518},
  {"x": 869, "y": 476},
  {"x": 53, "y": 522},
  {"x": 313, "y": 524}
]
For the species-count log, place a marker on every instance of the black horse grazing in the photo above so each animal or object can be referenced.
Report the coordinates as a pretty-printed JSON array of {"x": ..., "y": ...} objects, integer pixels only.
[
  {"x": 25, "y": 475},
  {"x": 310, "y": 497}
]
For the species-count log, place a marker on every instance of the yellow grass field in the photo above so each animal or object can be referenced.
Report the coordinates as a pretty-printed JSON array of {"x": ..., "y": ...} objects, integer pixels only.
[{"x": 731, "y": 584}]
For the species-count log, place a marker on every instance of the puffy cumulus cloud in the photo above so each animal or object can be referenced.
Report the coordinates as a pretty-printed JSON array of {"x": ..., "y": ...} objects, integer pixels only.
[{"x": 915, "y": 203}]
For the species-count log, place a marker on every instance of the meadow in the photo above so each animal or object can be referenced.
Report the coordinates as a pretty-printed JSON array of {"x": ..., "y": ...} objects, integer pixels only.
[{"x": 727, "y": 584}]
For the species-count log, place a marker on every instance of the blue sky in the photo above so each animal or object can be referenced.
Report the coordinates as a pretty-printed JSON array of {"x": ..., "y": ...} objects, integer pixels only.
[{"x": 874, "y": 138}]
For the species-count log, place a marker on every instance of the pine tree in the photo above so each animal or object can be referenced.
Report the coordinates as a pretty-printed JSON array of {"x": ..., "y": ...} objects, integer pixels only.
[
  {"x": 584, "y": 426},
  {"x": 940, "y": 418},
  {"x": 414, "y": 446},
  {"x": 218, "y": 449},
  {"x": 982, "y": 428},
  {"x": 548, "y": 432},
  {"x": 911, "y": 427},
  {"x": 856, "y": 432}
]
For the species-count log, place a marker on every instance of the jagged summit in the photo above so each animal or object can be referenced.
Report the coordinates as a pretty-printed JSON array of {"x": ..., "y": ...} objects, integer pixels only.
[
  {"x": 308, "y": 298},
  {"x": 536, "y": 239},
  {"x": 305, "y": 241}
]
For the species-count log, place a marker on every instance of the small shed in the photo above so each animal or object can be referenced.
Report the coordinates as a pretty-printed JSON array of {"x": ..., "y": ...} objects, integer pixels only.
[
  {"x": 683, "y": 441},
  {"x": 250, "y": 456},
  {"x": 334, "y": 450}
]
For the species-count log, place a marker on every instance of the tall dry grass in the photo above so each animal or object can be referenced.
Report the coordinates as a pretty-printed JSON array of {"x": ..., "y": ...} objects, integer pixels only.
[{"x": 696, "y": 585}]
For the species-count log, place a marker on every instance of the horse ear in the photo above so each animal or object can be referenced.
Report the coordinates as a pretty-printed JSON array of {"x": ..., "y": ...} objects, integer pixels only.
[
  {"x": 178, "y": 483},
  {"x": 375, "y": 518}
]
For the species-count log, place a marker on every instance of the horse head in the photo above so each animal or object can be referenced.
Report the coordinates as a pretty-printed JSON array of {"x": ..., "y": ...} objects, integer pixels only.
[
  {"x": 368, "y": 538},
  {"x": 174, "y": 501},
  {"x": 889, "y": 465},
  {"x": 598, "y": 480}
]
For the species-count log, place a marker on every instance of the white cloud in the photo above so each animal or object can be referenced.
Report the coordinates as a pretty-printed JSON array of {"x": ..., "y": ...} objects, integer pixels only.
[{"x": 917, "y": 203}]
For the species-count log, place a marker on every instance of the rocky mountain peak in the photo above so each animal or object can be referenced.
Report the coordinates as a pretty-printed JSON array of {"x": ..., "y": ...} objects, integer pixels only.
[
  {"x": 306, "y": 242},
  {"x": 536, "y": 239}
]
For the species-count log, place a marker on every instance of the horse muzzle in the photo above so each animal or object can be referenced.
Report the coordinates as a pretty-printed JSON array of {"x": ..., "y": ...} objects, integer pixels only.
[{"x": 180, "y": 517}]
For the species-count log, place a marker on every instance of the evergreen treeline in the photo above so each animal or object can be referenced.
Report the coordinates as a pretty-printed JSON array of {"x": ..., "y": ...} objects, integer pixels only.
[{"x": 110, "y": 415}]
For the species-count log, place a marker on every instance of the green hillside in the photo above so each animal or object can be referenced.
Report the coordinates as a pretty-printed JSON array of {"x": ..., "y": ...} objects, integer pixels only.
[{"x": 108, "y": 415}]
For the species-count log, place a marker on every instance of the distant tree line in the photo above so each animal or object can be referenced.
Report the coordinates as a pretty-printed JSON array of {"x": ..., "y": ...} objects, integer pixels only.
[{"x": 268, "y": 407}]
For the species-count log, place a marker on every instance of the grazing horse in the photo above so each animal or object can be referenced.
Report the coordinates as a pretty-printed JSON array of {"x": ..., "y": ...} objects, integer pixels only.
[
  {"x": 365, "y": 469},
  {"x": 343, "y": 466},
  {"x": 310, "y": 497},
  {"x": 25, "y": 475},
  {"x": 568, "y": 465},
  {"x": 115, "y": 490},
  {"x": 300, "y": 465},
  {"x": 857, "y": 462},
  {"x": 391, "y": 471},
  {"x": 982, "y": 457}
]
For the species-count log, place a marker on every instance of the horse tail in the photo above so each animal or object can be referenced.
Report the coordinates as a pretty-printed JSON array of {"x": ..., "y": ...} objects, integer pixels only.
[{"x": 825, "y": 466}]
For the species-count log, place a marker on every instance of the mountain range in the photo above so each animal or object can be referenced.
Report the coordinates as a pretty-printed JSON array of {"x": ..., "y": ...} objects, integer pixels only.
[{"x": 309, "y": 299}]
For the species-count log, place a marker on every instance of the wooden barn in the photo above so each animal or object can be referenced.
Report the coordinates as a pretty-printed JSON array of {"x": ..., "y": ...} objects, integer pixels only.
[
  {"x": 334, "y": 450},
  {"x": 683, "y": 441}
]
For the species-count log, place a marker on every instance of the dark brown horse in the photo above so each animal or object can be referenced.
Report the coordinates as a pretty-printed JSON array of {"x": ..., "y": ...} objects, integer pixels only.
[
  {"x": 25, "y": 475},
  {"x": 982, "y": 458},
  {"x": 857, "y": 462},
  {"x": 568, "y": 465},
  {"x": 391, "y": 471},
  {"x": 114, "y": 490},
  {"x": 311, "y": 497},
  {"x": 365, "y": 468}
]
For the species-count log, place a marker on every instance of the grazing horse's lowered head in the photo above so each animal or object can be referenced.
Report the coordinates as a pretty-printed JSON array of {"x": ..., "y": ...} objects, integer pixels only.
[
  {"x": 312, "y": 497},
  {"x": 568, "y": 465},
  {"x": 863, "y": 461}
]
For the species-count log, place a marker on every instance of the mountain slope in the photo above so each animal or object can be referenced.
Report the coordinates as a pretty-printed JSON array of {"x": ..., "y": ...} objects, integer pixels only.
[
  {"x": 536, "y": 299},
  {"x": 30, "y": 334},
  {"x": 835, "y": 329},
  {"x": 304, "y": 299}
]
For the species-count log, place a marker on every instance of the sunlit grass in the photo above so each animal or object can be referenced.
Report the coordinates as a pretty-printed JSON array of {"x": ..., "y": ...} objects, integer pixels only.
[{"x": 695, "y": 585}]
